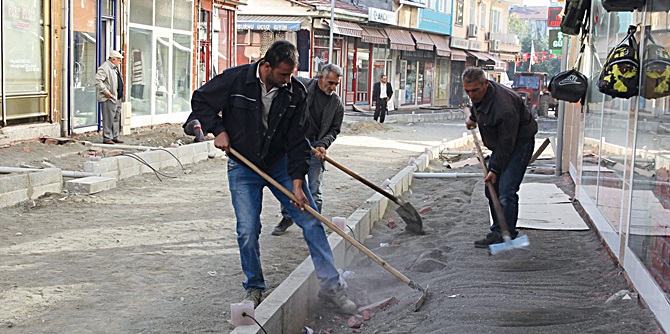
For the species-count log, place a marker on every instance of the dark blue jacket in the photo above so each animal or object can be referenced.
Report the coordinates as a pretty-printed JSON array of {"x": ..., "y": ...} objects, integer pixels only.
[{"x": 231, "y": 102}]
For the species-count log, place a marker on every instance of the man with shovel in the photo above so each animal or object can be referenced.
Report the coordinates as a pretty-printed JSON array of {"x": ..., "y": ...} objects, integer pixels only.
[
  {"x": 326, "y": 113},
  {"x": 508, "y": 129},
  {"x": 264, "y": 120}
]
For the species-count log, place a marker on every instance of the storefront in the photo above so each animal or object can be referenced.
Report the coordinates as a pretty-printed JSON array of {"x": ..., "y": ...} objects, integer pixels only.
[
  {"x": 618, "y": 153},
  {"x": 25, "y": 60},
  {"x": 159, "y": 60},
  {"x": 216, "y": 39},
  {"x": 442, "y": 65},
  {"x": 94, "y": 34},
  {"x": 401, "y": 41},
  {"x": 255, "y": 34}
]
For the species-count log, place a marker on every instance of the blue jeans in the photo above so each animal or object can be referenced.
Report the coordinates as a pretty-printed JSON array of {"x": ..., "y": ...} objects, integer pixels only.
[
  {"x": 507, "y": 186},
  {"x": 314, "y": 183},
  {"x": 246, "y": 189}
]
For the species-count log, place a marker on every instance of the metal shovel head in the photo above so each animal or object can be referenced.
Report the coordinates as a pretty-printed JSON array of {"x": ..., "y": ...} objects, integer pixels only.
[
  {"x": 412, "y": 218},
  {"x": 509, "y": 244}
]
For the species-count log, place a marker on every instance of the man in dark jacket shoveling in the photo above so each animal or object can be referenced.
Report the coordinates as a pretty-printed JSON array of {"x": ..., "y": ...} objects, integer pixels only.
[
  {"x": 508, "y": 129},
  {"x": 326, "y": 112}
]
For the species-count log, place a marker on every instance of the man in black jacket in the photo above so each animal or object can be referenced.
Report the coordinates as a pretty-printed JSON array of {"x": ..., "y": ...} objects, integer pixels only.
[
  {"x": 259, "y": 110},
  {"x": 508, "y": 129},
  {"x": 326, "y": 112},
  {"x": 381, "y": 96}
]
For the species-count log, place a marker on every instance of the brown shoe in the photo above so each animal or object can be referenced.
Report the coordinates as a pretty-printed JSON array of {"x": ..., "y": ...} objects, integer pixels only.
[
  {"x": 108, "y": 141},
  {"x": 117, "y": 140}
]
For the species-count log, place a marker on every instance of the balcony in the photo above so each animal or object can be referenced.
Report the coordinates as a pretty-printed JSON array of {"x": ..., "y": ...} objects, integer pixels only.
[{"x": 503, "y": 38}]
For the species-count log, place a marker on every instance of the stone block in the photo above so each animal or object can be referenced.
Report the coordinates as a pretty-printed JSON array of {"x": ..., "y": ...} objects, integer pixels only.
[
  {"x": 12, "y": 197},
  {"x": 151, "y": 158},
  {"x": 90, "y": 185},
  {"x": 45, "y": 177},
  {"x": 103, "y": 166},
  {"x": 13, "y": 182},
  {"x": 127, "y": 167}
]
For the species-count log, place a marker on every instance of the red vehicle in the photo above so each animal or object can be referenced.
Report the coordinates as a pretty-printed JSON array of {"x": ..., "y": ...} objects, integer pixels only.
[{"x": 532, "y": 87}]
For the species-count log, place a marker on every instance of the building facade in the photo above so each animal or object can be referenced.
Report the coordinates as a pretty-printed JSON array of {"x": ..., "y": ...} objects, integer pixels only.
[{"x": 618, "y": 154}]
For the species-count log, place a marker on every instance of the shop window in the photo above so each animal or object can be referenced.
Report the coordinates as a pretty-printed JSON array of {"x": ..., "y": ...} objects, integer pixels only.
[
  {"x": 139, "y": 70},
  {"x": 142, "y": 11},
  {"x": 108, "y": 8},
  {"x": 181, "y": 64},
  {"x": 248, "y": 47},
  {"x": 182, "y": 15},
  {"x": 164, "y": 12}
]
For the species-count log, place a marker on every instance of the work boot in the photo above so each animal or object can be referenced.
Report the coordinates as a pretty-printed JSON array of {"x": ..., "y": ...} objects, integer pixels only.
[
  {"x": 254, "y": 295},
  {"x": 491, "y": 238},
  {"x": 282, "y": 226},
  {"x": 194, "y": 128},
  {"x": 338, "y": 298}
]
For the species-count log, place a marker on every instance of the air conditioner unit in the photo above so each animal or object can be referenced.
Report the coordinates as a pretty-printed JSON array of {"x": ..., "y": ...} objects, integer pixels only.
[
  {"x": 495, "y": 45},
  {"x": 473, "y": 30}
]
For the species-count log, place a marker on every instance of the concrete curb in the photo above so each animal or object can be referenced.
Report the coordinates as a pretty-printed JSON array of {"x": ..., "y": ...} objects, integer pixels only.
[
  {"x": 287, "y": 307},
  {"x": 18, "y": 187},
  {"x": 413, "y": 117}
]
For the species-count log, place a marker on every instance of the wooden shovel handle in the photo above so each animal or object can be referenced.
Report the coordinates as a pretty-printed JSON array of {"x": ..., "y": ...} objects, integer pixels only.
[
  {"x": 361, "y": 179},
  {"x": 332, "y": 226},
  {"x": 492, "y": 189}
]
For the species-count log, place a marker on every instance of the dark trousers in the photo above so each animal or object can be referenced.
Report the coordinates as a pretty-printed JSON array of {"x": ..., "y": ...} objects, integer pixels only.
[{"x": 381, "y": 110}]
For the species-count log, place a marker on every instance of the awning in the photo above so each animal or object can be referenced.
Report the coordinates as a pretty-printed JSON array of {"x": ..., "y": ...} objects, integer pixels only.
[
  {"x": 268, "y": 22},
  {"x": 443, "y": 49},
  {"x": 373, "y": 35},
  {"x": 345, "y": 28},
  {"x": 423, "y": 41},
  {"x": 400, "y": 39},
  {"x": 458, "y": 55},
  {"x": 479, "y": 55}
]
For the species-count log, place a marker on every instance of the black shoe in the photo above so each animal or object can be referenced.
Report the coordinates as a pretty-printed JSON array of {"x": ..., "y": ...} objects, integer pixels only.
[
  {"x": 282, "y": 226},
  {"x": 255, "y": 296},
  {"x": 491, "y": 238}
]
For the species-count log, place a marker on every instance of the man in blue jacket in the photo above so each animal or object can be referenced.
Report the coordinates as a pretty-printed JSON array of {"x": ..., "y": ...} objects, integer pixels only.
[
  {"x": 508, "y": 129},
  {"x": 259, "y": 110}
]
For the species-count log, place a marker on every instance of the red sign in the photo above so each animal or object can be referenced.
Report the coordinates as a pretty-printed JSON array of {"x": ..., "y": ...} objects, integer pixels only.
[{"x": 554, "y": 19}]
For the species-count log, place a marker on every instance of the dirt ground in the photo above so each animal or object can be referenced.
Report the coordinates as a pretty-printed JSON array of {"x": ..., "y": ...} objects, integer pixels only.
[{"x": 156, "y": 256}]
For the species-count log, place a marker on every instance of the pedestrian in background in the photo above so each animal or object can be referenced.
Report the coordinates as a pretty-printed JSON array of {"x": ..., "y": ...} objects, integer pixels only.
[
  {"x": 109, "y": 82},
  {"x": 264, "y": 118},
  {"x": 326, "y": 113},
  {"x": 508, "y": 129},
  {"x": 381, "y": 94}
]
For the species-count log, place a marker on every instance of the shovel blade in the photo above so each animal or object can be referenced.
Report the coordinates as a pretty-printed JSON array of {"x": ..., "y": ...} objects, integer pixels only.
[
  {"x": 411, "y": 217},
  {"x": 508, "y": 245}
]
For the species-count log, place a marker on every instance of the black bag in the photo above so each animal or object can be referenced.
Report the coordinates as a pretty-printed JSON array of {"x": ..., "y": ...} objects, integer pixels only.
[
  {"x": 656, "y": 67},
  {"x": 576, "y": 12},
  {"x": 620, "y": 74},
  {"x": 570, "y": 85},
  {"x": 622, "y": 5},
  {"x": 658, "y": 5}
]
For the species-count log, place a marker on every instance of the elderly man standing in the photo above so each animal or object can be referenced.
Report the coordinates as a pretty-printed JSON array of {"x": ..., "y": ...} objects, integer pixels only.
[
  {"x": 508, "y": 129},
  {"x": 110, "y": 95},
  {"x": 326, "y": 112}
]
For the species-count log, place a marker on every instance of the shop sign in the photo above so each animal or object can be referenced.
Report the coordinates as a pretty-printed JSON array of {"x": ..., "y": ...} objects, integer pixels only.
[
  {"x": 420, "y": 55},
  {"x": 379, "y": 63},
  {"x": 475, "y": 45},
  {"x": 555, "y": 40},
  {"x": 382, "y": 16},
  {"x": 459, "y": 43},
  {"x": 554, "y": 19},
  {"x": 279, "y": 26}
]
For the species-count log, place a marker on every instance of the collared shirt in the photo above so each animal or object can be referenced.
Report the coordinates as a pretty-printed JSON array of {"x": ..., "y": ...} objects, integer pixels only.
[
  {"x": 266, "y": 98},
  {"x": 382, "y": 90}
]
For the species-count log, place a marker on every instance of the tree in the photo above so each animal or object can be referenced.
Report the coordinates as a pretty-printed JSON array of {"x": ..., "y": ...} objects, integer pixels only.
[{"x": 522, "y": 29}]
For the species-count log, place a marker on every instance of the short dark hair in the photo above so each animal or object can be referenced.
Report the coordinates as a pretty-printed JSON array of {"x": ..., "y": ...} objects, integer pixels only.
[
  {"x": 383, "y": 75},
  {"x": 474, "y": 74},
  {"x": 281, "y": 52}
]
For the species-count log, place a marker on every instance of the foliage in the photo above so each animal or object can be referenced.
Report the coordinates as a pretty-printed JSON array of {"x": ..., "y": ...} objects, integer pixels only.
[{"x": 522, "y": 29}]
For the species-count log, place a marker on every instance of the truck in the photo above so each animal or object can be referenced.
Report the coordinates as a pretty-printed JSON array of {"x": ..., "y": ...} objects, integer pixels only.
[{"x": 532, "y": 87}]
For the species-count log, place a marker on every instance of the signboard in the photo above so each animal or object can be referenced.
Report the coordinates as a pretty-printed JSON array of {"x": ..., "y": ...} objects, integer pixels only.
[
  {"x": 554, "y": 19},
  {"x": 459, "y": 43},
  {"x": 555, "y": 40},
  {"x": 260, "y": 25},
  {"x": 382, "y": 16}
]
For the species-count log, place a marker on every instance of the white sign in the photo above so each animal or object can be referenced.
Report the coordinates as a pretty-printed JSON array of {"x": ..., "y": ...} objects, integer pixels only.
[
  {"x": 475, "y": 45},
  {"x": 459, "y": 43},
  {"x": 383, "y": 16}
]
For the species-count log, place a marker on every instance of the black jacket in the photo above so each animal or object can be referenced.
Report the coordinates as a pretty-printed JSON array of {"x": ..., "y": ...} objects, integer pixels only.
[
  {"x": 236, "y": 93},
  {"x": 376, "y": 90},
  {"x": 503, "y": 121},
  {"x": 331, "y": 115}
]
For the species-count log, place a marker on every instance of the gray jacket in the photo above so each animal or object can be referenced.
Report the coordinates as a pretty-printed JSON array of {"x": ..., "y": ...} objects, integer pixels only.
[
  {"x": 331, "y": 117},
  {"x": 106, "y": 80}
]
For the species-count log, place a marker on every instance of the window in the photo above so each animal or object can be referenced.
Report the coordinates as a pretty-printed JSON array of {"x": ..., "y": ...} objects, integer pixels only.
[
  {"x": 444, "y": 6},
  {"x": 482, "y": 18},
  {"x": 495, "y": 21},
  {"x": 459, "y": 12},
  {"x": 473, "y": 12},
  {"x": 432, "y": 4}
]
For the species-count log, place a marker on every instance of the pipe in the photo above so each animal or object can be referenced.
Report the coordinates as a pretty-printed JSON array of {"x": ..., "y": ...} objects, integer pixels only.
[
  {"x": 463, "y": 152},
  {"x": 466, "y": 175},
  {"x": 65, "y": 173},
  {"x": 123, "y": 147}
]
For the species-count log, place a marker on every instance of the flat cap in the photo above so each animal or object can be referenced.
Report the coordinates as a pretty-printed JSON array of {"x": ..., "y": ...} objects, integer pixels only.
[{"x": 115, "y": 54}]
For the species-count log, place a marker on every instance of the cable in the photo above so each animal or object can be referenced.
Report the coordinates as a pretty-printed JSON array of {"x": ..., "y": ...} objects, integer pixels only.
[
  {"x": 244, "y": 314},
  {"x": 157, "y": 172}
]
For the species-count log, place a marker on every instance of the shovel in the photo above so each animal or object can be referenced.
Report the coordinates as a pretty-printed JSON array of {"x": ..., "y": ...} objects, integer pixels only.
[
  {"x": 405, "y": 209},
  {"x": 508, "y": 244},
  {"x": 350, "y": 239}
]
